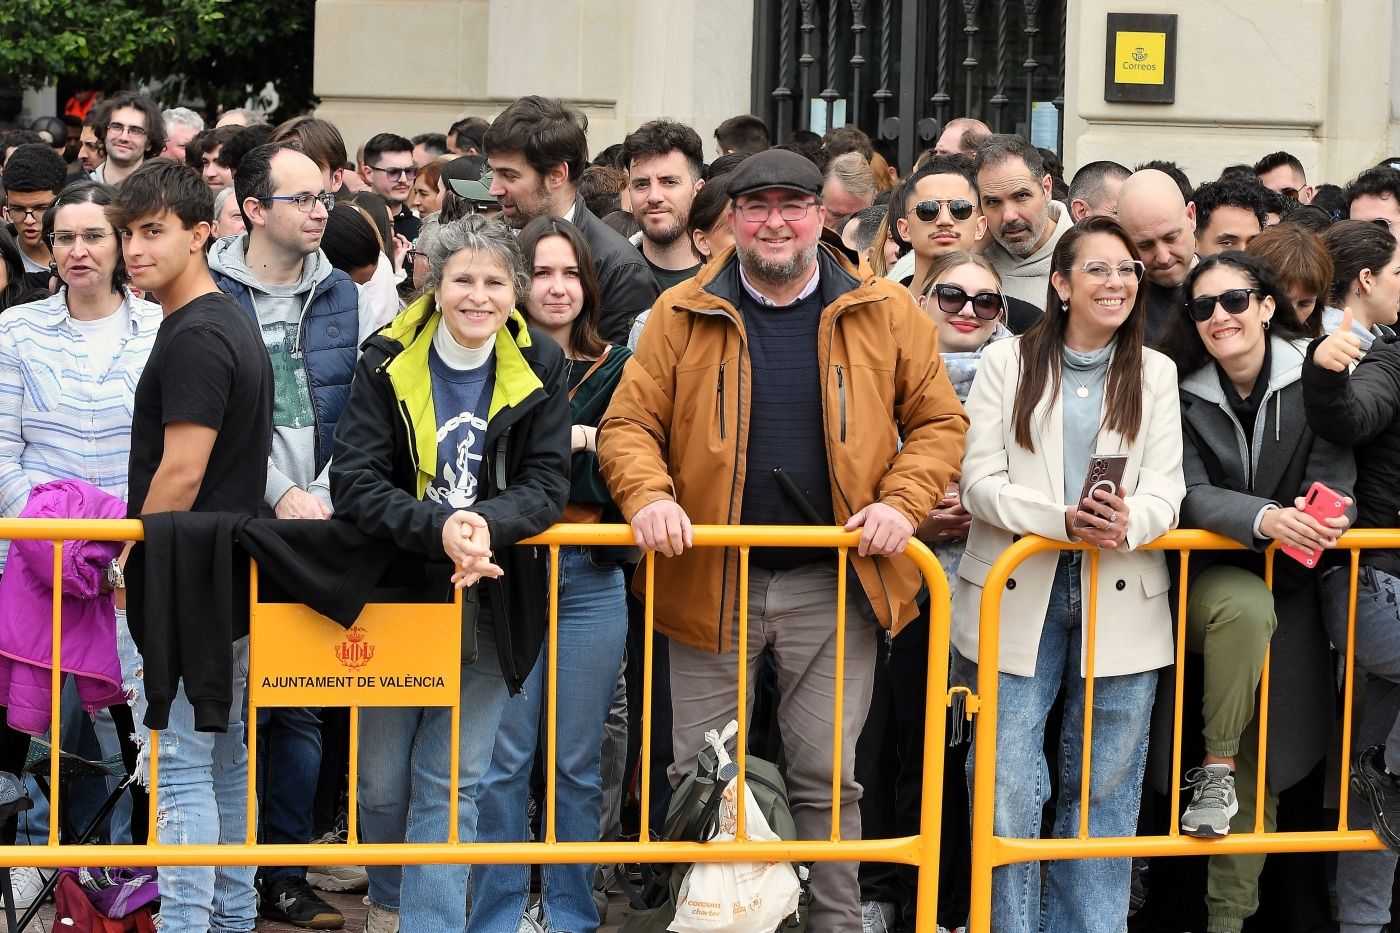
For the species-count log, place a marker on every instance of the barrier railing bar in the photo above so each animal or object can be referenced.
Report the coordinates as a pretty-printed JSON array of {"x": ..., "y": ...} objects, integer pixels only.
[
  {"x": 741, "y": 830},
  {"x": 648, "y": 677},
  {"x": 55, "y": 692},
  {"x": 935, "y": 726},
  {"x": 1183, "y": 598},
  {"x": 551, "y": 779},
  {"x": 352, "y": 822},
  {"x": 1090, "y": 653},
  {"x": 1349, "y": 691},
  {"x": 839, "y": 701},
  {"x": 252, "y": 724},
  {"x": 1261, "y": 772}
]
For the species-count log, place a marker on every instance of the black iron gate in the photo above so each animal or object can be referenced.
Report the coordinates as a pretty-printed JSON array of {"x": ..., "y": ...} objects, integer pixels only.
[{"x": 892, "y": 67}]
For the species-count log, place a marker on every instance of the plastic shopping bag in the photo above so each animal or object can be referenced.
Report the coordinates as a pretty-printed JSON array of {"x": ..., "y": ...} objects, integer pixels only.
[{"x": 736, "y": 897}]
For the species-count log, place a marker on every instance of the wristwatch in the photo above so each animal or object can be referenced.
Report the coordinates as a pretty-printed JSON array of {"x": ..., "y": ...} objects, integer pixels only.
[{"x": 115, "y": 578}]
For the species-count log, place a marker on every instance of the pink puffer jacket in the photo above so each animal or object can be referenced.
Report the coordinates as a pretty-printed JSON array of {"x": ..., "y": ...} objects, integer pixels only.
[{"x": 89, "y": 648}]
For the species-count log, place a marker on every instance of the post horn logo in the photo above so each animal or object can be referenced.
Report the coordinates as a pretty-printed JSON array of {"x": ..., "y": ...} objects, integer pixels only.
[
  {"x": 354, "y": 651},
  {"x": 1139, "y": 54}
]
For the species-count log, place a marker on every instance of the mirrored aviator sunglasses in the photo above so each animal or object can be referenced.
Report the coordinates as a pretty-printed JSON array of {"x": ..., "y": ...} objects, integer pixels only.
[
  {"x": 928, "y": 211},
  {"x": 1234, "y": 301},
  {"x": 952, "y": 299}
]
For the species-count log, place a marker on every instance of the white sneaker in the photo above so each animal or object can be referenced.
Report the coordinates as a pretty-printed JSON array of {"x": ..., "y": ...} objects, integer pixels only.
[
  {"x": 380, "y": 920},
  {"x": 336, "y": 877},
  {"x": 26, "y": 883}
]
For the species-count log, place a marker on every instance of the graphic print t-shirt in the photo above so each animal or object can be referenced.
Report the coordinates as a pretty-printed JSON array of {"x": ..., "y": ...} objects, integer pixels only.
[{"x": 462, "y": 400}]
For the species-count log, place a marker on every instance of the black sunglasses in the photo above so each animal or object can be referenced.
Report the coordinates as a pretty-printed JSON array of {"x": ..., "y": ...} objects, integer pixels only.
[
  {"x": 952, "y": 299},
  {"x": 1234, "y": 301},
  {"x": 928, "y": 211}
]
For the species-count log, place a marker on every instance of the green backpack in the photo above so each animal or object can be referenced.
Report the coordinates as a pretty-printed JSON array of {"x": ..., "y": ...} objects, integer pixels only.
[{"x": 693, "y": 817}]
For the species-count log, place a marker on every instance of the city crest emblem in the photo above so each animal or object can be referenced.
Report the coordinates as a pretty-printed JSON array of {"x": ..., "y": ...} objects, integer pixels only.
[{"x": 354, "y": 651}]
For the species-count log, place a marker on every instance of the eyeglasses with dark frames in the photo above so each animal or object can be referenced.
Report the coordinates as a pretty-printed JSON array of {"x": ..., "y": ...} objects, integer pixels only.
[
  {"x": 929, "y": 209},
  {"x": 305, "y": 203},
  {"x": 1234, "y": 301},
  {"x": 953, "y": 298},
  {"x": 397, "y": 174}
]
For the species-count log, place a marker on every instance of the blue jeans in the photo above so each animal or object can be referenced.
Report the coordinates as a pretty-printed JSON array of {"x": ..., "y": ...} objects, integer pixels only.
[
  {"x": 403, "y": 794},
  {"x": 202, "y": 800},
  {"x": 592, "y": 633},
  {"x": 1364, "y": 879},
  {"x": 289, "y": 765},
  {"x": 1083, "y": 895}
]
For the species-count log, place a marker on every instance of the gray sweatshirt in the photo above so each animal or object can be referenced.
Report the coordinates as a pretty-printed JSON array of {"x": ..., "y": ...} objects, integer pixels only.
[{"x": 280, "y": 311}]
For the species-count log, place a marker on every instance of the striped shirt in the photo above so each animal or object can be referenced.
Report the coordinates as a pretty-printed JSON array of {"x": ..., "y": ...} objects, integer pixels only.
[{"x": 63, "y": 415}]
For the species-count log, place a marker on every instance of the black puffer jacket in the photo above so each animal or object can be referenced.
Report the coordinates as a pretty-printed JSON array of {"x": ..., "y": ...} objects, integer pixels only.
[
  {"x": 376, "y": 477},
  {"x": 1361, "y": 409}
]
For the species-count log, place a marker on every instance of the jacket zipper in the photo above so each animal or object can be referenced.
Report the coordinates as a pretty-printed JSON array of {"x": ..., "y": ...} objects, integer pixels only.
[
  {"x": 412, "y": 437},
  {"x": 841, "y": 391},
  {"x": 719, "y": 395}
]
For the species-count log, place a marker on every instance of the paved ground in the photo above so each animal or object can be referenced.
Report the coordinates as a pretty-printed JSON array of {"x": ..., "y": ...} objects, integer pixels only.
[{"x": 352, "y": 906}]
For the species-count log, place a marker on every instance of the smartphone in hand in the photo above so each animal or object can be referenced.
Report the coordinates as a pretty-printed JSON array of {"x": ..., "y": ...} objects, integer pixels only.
[
  {"x": 1105, "y": 472},
  {"x": 1321, "y": 503}
]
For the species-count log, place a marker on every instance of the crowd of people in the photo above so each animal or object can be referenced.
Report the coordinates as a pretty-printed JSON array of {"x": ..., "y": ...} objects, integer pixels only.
[{"x": 453, "y": 341}]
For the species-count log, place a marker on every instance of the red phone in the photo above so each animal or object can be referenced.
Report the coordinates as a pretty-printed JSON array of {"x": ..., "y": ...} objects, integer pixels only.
[{"x": 1321, "y": 503}]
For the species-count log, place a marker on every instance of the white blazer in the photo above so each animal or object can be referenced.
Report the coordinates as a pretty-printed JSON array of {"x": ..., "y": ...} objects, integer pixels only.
[{"x": 1011, "y": 492}]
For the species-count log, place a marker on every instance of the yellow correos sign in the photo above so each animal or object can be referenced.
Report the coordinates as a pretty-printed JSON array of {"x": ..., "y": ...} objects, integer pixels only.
[{"x": 1140, "y": 58}]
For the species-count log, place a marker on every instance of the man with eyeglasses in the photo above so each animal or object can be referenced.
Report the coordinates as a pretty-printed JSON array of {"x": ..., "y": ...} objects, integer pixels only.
[
  {"x": 1283, "y": 173},
  {"x": 131, "y": 131},
  {"x": 777, "y": 388},
  {"x": 311, "y": 321},
  {"x": 388, "y": 169},
  {"x": 34, "y": 176},
  {"x": 1023, "y": 218}
]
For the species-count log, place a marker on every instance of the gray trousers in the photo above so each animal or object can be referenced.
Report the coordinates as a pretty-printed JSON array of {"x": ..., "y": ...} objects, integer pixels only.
[
  {"x": 793, "y": 613},
  {"x": 1364, "y": 879}
]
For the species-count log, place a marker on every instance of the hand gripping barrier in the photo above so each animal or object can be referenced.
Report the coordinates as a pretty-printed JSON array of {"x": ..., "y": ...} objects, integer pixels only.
[
  {"x": 408, "y": 655},
  {"x": 990, "y": 850}
]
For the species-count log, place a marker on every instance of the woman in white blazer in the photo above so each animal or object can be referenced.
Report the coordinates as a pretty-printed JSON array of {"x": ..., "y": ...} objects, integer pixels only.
[{"x": 1078, "y": 383}]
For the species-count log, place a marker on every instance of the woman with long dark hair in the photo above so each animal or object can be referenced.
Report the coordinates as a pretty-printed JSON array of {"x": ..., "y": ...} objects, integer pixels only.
[
  {"x": 1250, "y": 459},
  {"x": 1077, "y": 385}
]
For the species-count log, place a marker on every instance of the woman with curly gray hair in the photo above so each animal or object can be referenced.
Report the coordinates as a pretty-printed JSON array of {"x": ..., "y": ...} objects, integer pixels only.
[{"x": 454, "y": 444}]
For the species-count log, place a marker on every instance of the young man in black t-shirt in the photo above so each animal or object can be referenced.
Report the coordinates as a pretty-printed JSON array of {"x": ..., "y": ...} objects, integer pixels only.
[{"x": 200, "y": 438}]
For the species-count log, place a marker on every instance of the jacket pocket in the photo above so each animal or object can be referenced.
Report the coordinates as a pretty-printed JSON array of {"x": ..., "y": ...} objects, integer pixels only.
[
  {"x": 1155, "y": 582},
  {"x": 719, "y": 403},
  {"x": 973, "y": 569}
]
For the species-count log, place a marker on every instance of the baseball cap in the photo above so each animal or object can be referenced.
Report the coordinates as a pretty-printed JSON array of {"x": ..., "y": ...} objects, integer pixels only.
[
  {"x": 775, "y": 168},
  {"x": 468, "y": 178}
]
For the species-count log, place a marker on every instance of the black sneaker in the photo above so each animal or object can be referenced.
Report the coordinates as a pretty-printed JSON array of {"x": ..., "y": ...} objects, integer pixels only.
[
  {"x": 1381, "y": 791},
  {"x": 291, "y": 900}
]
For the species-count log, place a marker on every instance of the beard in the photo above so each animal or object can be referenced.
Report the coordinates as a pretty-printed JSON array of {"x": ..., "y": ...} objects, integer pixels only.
[
  {"x": 526, "y": 210},
  {"x": 777, "y": 273},
  {"x": 672, "y": 228},
  {"x": 1023, "y": 248}
]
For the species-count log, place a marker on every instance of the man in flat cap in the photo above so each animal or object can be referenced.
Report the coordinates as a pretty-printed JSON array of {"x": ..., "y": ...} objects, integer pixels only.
[{"x": 777, "y": 388}]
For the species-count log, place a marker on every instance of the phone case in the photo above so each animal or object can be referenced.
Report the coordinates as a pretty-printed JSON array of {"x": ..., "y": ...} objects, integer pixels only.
[
  {"x": 1322, "y": 503},
  {"x": 1105, "y": 471}
]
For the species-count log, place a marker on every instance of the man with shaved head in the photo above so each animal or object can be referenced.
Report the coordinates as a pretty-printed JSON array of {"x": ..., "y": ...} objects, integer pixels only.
[{"x": 1163, "y": 228}]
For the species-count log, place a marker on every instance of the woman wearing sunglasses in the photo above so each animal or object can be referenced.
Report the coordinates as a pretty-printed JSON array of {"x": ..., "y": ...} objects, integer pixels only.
[
  {"x": 1077, "y": 384},
  {"x": 1250, "y": 459}
]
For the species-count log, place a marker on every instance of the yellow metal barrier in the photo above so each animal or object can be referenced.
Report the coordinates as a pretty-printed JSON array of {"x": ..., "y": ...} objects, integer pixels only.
[
  {"x": 290, "y": 638},
  {"x": 990, "y": 850}
]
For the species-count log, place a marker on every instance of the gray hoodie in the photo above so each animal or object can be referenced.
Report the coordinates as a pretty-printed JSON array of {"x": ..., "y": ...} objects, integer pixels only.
[{"x": 280, "y": 311}]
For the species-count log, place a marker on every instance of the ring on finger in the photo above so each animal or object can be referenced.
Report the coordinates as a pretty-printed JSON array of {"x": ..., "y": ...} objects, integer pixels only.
[{"x": 1113, "y": 518}]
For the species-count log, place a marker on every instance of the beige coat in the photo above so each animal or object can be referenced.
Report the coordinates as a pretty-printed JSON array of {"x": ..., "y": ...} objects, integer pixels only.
[{"x": 1012, "y": 492}]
